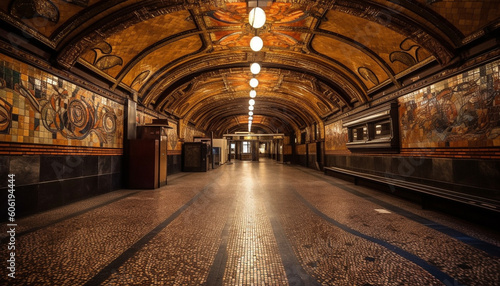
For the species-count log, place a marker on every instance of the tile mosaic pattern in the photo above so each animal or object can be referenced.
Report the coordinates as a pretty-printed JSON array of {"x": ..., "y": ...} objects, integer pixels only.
[
  {"x": 459, "y": 112},
  {"x": 45, "y": 15},
  {"x": 144, "y": 118},
  {"x": 253, "y": 256},
  {"x": 462, "y": 111},
  {"x": 38, "y": 107},
  {"x": 335, "y": 137},
  {"x": 468, "y": 16},
  {"x": 128, "y": 43},
  {"x": 371, "y": 32},
  {"x": 173, "y": 142},
  {"x": 170, "y": 53},
  {"x": 70, "y": 246}
]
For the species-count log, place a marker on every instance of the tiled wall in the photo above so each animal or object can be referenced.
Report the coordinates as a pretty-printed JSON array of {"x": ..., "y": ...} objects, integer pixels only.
[
  {"x": 458, "y": 114},
  {"x": 450, "y": 136},
  {"x": 41, "y": 108},
  {"x": 63, "y": 142},
  {"x": 143, "y": 118},
  {"x": 174, "y": 145},
  {"x": 463, "y": 111},
  {"x": 191, "y": 133},
  {"x": 335, "y": 137}
]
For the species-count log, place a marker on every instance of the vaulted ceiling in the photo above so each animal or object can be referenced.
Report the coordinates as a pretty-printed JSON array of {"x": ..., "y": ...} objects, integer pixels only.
[{"x": 190, "y": 59}]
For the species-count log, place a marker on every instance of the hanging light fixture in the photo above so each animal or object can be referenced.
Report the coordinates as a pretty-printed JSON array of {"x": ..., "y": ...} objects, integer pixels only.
[
  {"x": 256, "y": 44},
  {"x": 250, "y": 113},
  {"x": 253, "y": 93},
  {"x": 257, "y": 17},
  {"x": 254, "y": 82},
  {"x": 255, "y": 68},
  {"x": 250, "y": 118},
  {"x": 251, "y": 102},
  {"x": 250, "y": 107}
]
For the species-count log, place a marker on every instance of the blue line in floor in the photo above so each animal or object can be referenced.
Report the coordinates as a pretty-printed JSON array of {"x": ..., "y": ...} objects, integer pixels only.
[
  {"x": 109, "y": 269},
  {"x": 441, "y": 276},
  {"x": 216, "y": 273},
  {"x": 78, "y": 213},
  {"x": 75, "y": 214},
  {"x": 294, "y": 271},
  {"x": 489, "y": 248}
]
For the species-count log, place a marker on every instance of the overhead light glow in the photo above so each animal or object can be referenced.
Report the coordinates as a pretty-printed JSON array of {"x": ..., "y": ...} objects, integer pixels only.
[
  {"x": 253, "y": 93},
  {"x": 256, "y": 44},
  {"x": 254, "y": 82},
  {"x": 250, "y": 113},
  {"x": 250, "y": 107},
  {"x": 251, "y": 102},
  {"x": 255, "y": 68},
  {"x": 257, "y": 17},
  {"x": 250, "y": 118}
]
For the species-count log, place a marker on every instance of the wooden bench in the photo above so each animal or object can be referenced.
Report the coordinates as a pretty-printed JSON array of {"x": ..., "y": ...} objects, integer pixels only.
[{"x": 420, "y": 188}]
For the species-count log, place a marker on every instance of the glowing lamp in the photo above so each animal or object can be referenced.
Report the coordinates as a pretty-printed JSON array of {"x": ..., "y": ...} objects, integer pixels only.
[
  {"x": 255, "y": 68},
  {"x": 254, "y": 82},
  {"x": 257, "y": 17},
  {"x": 256, "y": 44}
]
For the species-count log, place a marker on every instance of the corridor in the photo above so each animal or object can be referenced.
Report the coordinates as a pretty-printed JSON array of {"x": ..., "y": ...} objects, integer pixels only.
[{"x": 250, "y": 223}]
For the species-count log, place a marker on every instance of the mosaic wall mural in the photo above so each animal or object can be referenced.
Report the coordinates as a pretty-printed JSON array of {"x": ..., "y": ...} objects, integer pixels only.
[
  {"x": 191, "y": 133},
  {"x": 459, "y": 112},
  {"x": 335, "y": 137},
  {"x": 38, "y": 107},
  {"x": 463, "y": 111}
]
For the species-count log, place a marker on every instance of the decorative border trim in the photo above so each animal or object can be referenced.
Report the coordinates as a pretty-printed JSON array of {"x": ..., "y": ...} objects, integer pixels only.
[
  {"x": 461, "y": 153},
  {"x": 41, "y": 149}
]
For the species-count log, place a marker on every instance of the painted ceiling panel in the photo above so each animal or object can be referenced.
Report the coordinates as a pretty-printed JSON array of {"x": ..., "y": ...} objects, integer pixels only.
[
  {"x": 163, "y": 56},
  {"x": 235, "y": 16},
  {"x": 467, "y": 16},
  {"x": 384, "y": 42},
  {"x": 44, "y": 15},
  {"x": 190, "y": 59},
  {"x": 352, "y": 58},
  {"x": 132, "y": 41}
]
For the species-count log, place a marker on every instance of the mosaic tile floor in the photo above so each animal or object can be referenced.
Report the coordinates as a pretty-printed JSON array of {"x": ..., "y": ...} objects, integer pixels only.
[{"x": 250, "y": 223}]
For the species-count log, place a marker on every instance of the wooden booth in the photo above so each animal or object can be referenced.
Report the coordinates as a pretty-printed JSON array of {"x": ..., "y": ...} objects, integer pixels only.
[{"x": 148, "y": 157}]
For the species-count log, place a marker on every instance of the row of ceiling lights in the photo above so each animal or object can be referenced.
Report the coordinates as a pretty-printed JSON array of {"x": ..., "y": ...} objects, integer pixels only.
[{"x": 257, "y": 19}]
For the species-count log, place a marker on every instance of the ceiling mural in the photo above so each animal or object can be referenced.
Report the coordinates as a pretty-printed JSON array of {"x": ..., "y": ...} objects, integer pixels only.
[{"x": 191, "y": 60}]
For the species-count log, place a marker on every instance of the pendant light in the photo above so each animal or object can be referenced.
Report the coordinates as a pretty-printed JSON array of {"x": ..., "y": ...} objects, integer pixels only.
[
  {"x": 255, "y": 68},
  {"x": 253, "y": 93},
  {"x": 256, "y": 44},
  {"x": 257, "y": 17},
  {"x": 254, "y": 82}
]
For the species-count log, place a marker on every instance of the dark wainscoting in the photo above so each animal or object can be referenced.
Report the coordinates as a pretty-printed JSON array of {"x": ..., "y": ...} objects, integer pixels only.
[
  {"x": 174, "y": 164},
  {"x": 287, "y": 158},
  {"x": 311, "y": 161},
  {"x": 45, "y": 181},
  {"x": 469, "y": 176},
  {"x": 300, "y": 160}
]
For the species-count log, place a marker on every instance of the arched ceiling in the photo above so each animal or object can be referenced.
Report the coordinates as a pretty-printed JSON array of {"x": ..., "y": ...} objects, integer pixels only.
[{"x": 190, "y": 59}]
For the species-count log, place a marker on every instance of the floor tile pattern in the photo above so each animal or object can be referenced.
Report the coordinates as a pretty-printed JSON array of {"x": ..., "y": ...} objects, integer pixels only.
[
  {"x": 233, "y": 226},
  {"x": 252, "y": 249}
]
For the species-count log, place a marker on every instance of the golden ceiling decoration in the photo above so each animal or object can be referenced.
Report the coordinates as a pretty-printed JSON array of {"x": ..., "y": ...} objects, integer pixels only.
[{"x": 190, "y": 59}]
